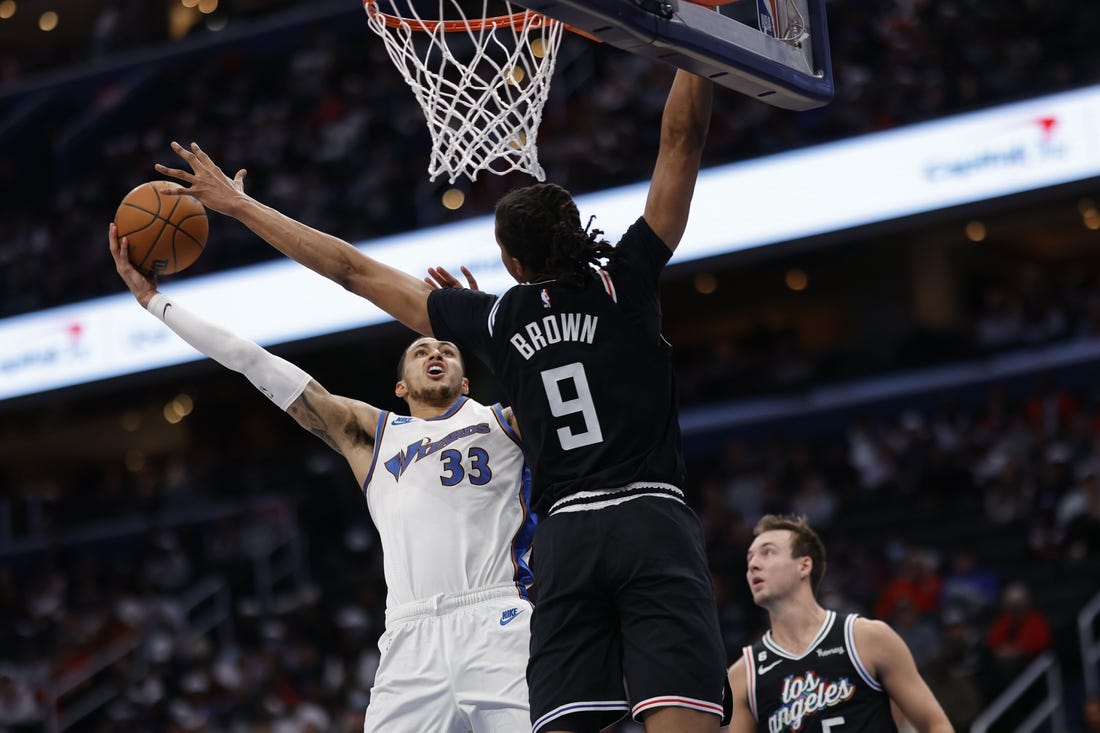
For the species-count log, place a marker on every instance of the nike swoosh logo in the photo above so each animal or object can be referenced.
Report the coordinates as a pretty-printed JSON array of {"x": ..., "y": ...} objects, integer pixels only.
[
  {"x": 764, "y": 669},
  {"x": 508, "y": 617}
]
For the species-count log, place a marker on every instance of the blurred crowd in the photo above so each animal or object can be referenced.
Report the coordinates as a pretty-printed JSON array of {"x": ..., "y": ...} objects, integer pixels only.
[
  {"x": 953, "y": 521},
  {"x": 1030, "y": 305},
  {"x": 331, "y": 134},
  {"x": 956, "y": 523}
]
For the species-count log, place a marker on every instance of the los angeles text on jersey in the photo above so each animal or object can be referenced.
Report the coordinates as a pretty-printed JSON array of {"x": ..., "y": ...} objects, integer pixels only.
[
  {"x": 805, "y": 695},
  {"x": 554, "y": 329},
  {"x": 426, "y": 446}
]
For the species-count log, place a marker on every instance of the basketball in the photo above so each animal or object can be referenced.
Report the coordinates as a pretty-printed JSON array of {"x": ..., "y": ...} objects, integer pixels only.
[{"x": 166, "y": 233}]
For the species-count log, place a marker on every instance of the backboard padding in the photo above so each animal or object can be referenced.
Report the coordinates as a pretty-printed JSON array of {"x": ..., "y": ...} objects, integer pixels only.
[{"x": 732, "y": 54}]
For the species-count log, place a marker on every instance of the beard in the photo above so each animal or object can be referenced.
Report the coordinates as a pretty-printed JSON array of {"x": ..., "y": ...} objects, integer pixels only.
[{"x": 436, "y": 394}]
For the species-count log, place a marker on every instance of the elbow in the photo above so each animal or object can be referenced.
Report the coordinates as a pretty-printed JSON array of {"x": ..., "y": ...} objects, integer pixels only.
[
  {"x": 689, "y": 140},
  {"x": 684, "y": 145}
]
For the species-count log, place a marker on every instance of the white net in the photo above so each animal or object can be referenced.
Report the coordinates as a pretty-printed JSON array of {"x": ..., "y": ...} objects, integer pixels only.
[{"x": 482, "y": 81}]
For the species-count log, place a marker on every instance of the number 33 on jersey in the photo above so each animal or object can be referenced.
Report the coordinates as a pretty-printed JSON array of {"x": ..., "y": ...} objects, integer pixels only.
[{"x": 450, "y": 494}]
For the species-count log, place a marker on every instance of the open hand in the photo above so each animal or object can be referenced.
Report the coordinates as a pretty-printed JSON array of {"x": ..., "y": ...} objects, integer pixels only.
[
  {"x": 439, "y": 278},
  {"x": 206, "y": 180},
  {"x": 143, "y": 286}
]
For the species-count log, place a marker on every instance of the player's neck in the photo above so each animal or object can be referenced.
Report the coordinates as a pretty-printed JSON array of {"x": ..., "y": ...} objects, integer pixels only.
[
  {"x": 431, "y": 408},
  {"x": 796, "y": 622}
]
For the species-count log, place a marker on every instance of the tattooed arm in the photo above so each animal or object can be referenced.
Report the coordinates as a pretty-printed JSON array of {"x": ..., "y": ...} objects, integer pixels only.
[{"x": 347, "y": 426}]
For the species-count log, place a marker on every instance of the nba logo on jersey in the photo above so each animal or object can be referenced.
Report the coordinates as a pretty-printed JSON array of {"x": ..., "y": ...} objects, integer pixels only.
[{"x": 544, "y": 296}]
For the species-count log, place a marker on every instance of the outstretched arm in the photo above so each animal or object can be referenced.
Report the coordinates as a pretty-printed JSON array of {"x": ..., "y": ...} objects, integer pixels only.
[
  {"x": 889, "y": 659},
  {"x": 347, "y": 426},
  {"x": 683, "y": 133},
  {"x": 401, "y": 295}
]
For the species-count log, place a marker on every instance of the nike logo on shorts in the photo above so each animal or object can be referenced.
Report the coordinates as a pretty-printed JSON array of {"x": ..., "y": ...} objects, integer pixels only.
[{"x": 508, "y": 616}]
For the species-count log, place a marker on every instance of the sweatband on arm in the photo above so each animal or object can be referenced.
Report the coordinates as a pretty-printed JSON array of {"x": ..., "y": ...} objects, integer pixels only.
[{"x": 276, "y": 377}]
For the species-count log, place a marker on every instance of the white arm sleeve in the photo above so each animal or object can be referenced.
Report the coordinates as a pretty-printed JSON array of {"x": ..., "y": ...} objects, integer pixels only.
[{"x": 274, "y": 376}]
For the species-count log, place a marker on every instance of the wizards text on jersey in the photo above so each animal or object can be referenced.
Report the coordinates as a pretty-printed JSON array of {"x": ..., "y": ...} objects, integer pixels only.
[
  {"x": 552, "y": 330},
  {"x": 426, "y": 447},
  {"x": 805, "y": 695}
]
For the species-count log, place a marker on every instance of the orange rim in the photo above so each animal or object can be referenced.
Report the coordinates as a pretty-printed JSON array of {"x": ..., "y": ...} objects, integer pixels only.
[{"x": 527, "y": 19}]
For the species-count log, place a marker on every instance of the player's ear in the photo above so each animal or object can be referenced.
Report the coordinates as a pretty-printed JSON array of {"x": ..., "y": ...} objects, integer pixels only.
[
  {"x": 401, "y": 389},
  {"x": 465, "y": 386},
  {"x": 806, "y": 566}
]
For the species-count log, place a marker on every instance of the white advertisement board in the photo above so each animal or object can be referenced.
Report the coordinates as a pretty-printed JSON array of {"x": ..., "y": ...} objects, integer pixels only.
[{"x": 975, "y": 157}]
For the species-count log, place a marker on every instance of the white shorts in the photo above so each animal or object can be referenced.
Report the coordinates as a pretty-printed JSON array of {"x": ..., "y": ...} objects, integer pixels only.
[{"x": 454, "y": 664}]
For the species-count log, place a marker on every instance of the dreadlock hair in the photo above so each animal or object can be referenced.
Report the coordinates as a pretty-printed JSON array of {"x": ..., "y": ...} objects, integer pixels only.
[{"x": 540, "y": 226}]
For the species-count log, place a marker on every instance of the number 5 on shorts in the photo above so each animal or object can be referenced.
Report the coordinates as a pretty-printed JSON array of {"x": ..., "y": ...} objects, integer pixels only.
[{"x": 582, "y": 403}]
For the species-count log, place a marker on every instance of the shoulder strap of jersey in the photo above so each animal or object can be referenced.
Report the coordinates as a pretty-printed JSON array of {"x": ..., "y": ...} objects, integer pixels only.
[
  {"x": 498, "y": 413},
  {"x": 608, "y": 285},
  {"x": 383, "y": 418},
  {"x": 853, "y": 653},
  {"x": 750, "y": 681}
]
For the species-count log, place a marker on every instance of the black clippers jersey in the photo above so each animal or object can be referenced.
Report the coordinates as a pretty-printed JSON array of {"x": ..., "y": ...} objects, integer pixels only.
[
  {"x": 585, "y": 369},
  {"x": 826, "y": 690}
]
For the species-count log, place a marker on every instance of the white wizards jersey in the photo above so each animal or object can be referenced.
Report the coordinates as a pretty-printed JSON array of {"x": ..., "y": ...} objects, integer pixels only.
[{"x": 449, "y": 496}]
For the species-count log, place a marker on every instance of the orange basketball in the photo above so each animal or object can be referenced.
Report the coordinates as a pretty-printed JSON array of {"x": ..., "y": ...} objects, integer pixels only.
[{"x": 166, "y": 233}]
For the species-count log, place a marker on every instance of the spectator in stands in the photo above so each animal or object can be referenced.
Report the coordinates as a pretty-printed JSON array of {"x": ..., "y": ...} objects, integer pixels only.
[
  {"x": 18, "y": 709},
  {"x": 1083, "y": 530},
  {"x": 968, "y": 587},
  {"x": 1018, "y": 634},
  {"x": 953, "y": 675},
  {"x": 917, "y": 582},
  {"x": 1090, "y": 715},
  {"x": 815, "y": 500},
  {"x": 919, "y": 632}
]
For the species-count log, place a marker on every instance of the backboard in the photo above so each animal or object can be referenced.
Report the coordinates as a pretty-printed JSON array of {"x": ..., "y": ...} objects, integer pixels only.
[{"x": 788, "y": 66}]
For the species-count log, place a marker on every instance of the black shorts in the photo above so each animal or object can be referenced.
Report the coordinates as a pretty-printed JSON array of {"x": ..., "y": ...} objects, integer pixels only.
[{"x": 625, "y": 617}]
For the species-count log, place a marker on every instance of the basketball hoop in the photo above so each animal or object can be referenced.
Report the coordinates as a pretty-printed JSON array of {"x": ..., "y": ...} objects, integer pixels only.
[{"x": 482, "y": 81}]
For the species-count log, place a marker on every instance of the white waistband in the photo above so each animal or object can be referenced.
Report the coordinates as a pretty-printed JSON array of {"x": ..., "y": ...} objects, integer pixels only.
[
  {"x": 444, "y": 603},
  {"x": 583, "y": 501}
]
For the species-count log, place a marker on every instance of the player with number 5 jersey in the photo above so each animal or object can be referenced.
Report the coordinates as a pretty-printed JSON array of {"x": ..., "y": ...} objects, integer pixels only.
[{"x": 815, "y": 671}]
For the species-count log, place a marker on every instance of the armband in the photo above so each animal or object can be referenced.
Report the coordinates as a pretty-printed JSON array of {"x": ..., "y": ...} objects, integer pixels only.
[{"x": 276, "y": 377}]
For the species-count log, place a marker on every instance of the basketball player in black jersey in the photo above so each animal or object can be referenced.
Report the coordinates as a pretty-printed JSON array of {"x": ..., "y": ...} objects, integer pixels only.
[
  {"x": 623, "y": 589},
  {"x": 814, "y": 671}
]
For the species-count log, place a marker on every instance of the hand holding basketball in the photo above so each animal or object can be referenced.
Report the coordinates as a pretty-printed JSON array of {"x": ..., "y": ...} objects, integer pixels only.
[
  {"x": 166, "y": 233},
  {"x": 141, "y": 285}
]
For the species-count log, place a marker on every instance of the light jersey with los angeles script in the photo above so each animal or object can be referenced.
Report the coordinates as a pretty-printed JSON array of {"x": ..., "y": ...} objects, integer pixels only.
[
  {"x": 826, "y": 689},
  {"x": 449, "y": 496},
  {"x": 587, "y": 370}
]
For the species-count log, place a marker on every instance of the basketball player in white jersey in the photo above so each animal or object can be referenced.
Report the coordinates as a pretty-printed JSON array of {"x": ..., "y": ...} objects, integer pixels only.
[
  {"x": 448, "y": 490},
  {"x": 813, "y": 671}
]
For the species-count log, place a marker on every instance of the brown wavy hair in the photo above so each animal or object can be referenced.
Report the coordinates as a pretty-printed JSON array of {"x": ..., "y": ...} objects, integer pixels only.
[
  {"x": 804, "y": 542},
  {"x": 540, "y": 226}
]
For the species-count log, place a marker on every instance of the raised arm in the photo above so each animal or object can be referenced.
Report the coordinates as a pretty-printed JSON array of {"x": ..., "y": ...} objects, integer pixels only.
[
  {"x": 347, "y": 426},
  {"x": 401, "y": 295},
  {"x": 683, "y": 133},
  {"x": 890, "y": 661}
]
